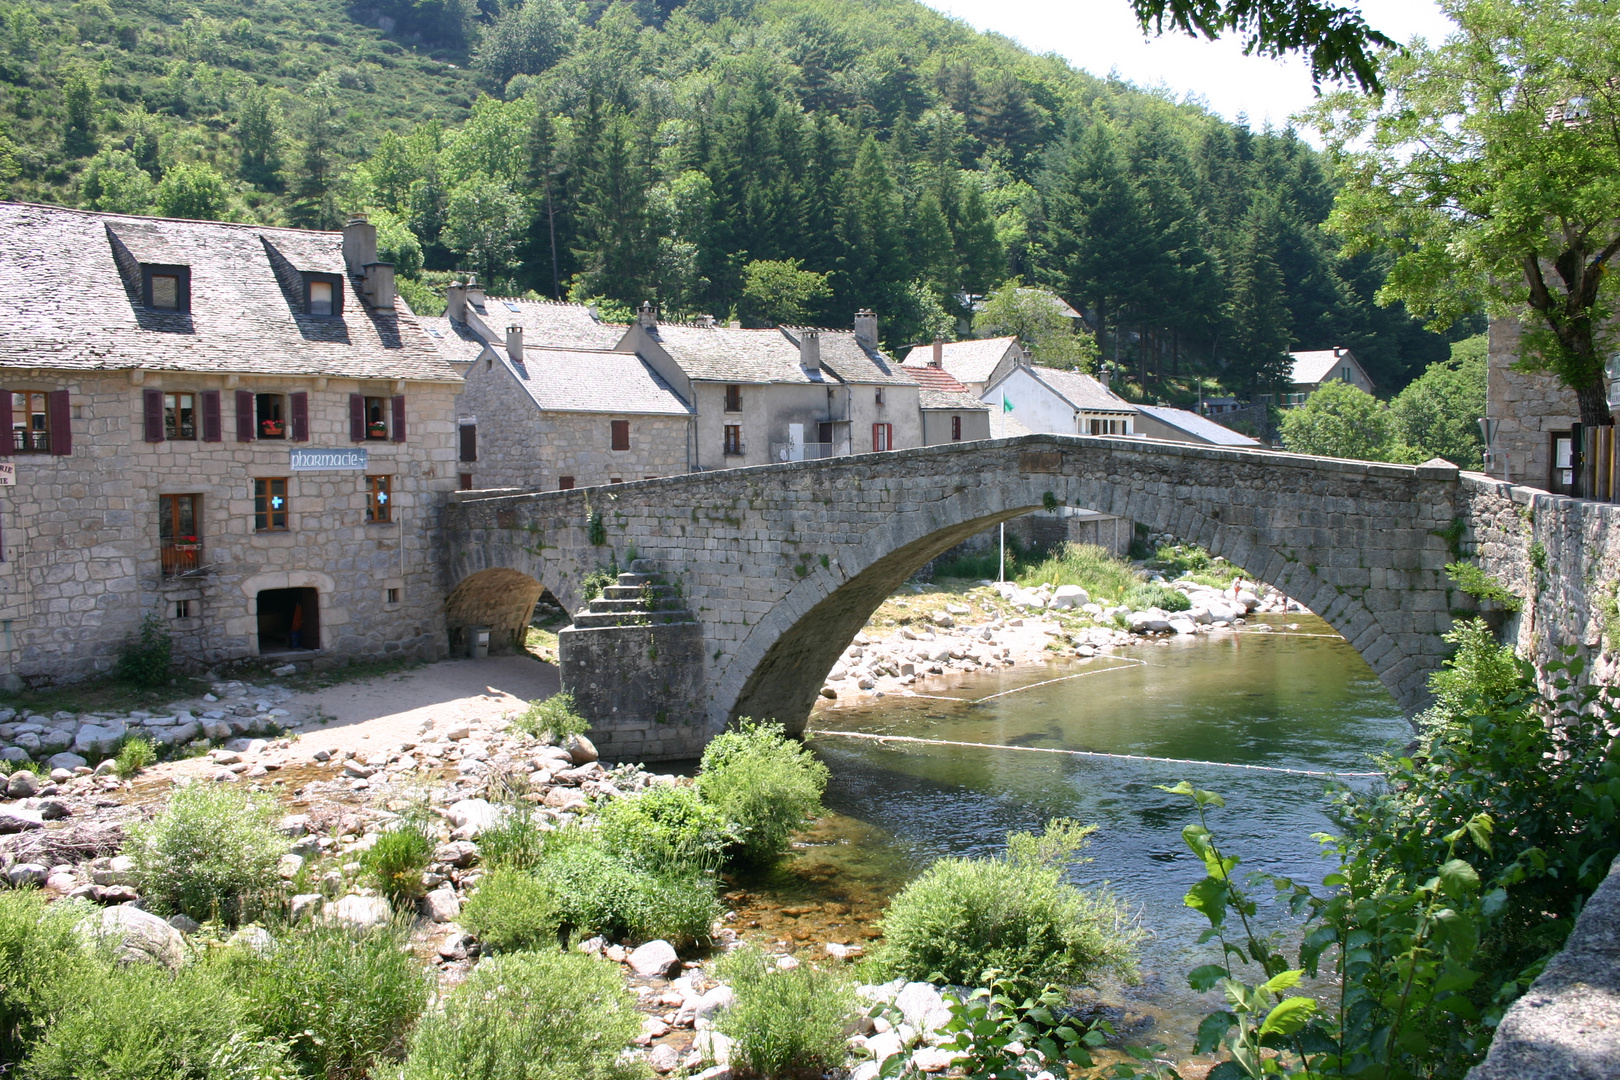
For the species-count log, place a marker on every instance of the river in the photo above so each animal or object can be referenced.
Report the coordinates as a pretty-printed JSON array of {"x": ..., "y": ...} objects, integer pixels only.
[{"x": 1294, "y": 696}]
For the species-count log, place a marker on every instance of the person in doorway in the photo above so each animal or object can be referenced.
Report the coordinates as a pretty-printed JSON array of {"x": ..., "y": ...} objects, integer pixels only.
[{"x": 295, "y": 635}]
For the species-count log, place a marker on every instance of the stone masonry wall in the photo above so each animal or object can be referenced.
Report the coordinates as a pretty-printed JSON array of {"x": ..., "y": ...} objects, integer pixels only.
[
  {"x": 80, "y": 533},
  {"x": 642, "y": 686},
  {"x": 1528, "y": 408}
]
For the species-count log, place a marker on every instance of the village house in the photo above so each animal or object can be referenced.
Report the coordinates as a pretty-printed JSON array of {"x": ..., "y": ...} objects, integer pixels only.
[
  {"x": 1052, "y": 401},
  {"x": 1180, "y": 425},
  {"x": 234, "y": 429},
  {"x": 949, "y": 412},
  {"x": 1312, "y": 369},
  {"x": 973, "y": 362}
]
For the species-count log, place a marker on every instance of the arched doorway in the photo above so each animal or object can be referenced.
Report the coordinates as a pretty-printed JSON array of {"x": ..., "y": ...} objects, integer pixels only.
[{"x": 498, "y": 598}]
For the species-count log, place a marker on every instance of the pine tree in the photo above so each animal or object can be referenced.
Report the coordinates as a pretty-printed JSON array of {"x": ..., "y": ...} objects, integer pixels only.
[
  {"x": 258, "y": 131},
  {"x": 873, "y": 259},
  {"x": 1258, "y": 337}
]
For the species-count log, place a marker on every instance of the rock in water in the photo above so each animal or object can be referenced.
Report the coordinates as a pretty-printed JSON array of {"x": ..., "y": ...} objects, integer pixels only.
[
  {"x": 441, "y": 905},
  {"x": 653, "y": 959}
]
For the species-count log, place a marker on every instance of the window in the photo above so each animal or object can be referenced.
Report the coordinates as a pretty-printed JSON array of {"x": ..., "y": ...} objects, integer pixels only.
[
  {"x": 469, "y": 442},
  {"x": 621, "y": 434},
  {"x": 270, "y": 504},
  {"x": 882, "y": 437},
  {"x": 466, "y": 481},
  {"x": 179, "y": 416},
  {"x": 733, "y": 398},
  {"x": 880, "y": 395},
  {"x": 615, "y": 479},
  {"x": 165, "y": 291},
  {"x": 179, "y": 536},
  {"x": 734, "y": 443},
  {"x": 379, "y": 499},
  {"x": 30, "y": 422},
  {"x": 320, "y": 298},
  {"x": 956, "y": 429},
  {"x": 323, "y": 294},
  {"x": 1562, "y": 480},
  {"x": 1109, "y": 427},
  {"x": 181, "y": 609},
  {"x": 391, "y": 596},
  {"x": 565, "y": 483},
  {"x": 377, "y": 418},
  {"x": 269, "y": 411},
  {"x": 166, "y": 288}
]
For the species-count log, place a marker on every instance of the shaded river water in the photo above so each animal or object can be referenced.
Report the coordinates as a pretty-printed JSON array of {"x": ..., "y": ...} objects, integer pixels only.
[{"x": 1296, "y": 697}]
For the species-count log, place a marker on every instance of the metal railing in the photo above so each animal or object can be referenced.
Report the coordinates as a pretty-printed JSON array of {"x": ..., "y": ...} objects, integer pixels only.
[
  {"x": 813, "y": 451},
  {"x": 180, "y": 557},
  {"x": 30, "y": 442}
]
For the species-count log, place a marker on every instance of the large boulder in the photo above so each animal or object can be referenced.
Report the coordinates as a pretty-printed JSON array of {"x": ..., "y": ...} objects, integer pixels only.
[
  {"x": 475, "y": 815},
  {"x": 1147, "y": 622},
  {"x": 23, "y": 785},
  {"x": 15, "y": 819},
  {"x": 581, "y": 751},
  {"x": 1070, "y": 596},
  {"x": 100, "y": 740},
  {"x": 67, "y": 761},
  {"x": 653, "y": 959},
  {"x": 137, "y": 937},
  {"x": 359, "y": 912}
]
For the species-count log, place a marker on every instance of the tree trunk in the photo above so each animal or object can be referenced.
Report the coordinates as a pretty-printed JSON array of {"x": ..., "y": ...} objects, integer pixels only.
[{"x": 1594, "y": 401}]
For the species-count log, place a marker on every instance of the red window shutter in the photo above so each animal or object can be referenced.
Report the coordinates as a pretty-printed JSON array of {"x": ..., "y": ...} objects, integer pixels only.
[
  {"x": 61, "y": 421},
  {"x": 6, "y": 437},
  {"x": 213, "y": 430},
  {"x": 399, "y": 418},
  {"x": 244, "y": 416},
  {"x": 300, "y": 417},
  {"x": 153, "y": 402},
  {"x": 877, "y": 435},
  {"x": 357, "y": 418},
  {"x": 469, "y": 442}
]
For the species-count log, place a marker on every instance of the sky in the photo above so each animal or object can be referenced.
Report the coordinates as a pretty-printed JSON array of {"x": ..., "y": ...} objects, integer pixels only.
[{"x": 1102, "y": 35}]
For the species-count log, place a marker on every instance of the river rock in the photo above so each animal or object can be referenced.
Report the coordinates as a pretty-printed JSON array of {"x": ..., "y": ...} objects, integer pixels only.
[
  {"x": 884, "y": 1046},
  {"x": 663, "y": 1058},
  {"x": 15, "y": 754},
  {"x": 479, "y": 814},
  {"x": 1147, "y": 622},
  {"x": 581, "y": 751},
  {"x": 23, "y": 785},
  {"x": 922, "y": 1006},
  {"x": 25, "y": 874},
  {"x": 138, "y": 937},
  {"x": 441, "y": 905},
  {"x": 1183, "y": 626},
  {"x": 15, "y": 819},
  {"x": 1247, "y": 599},
  {"x": 653, "y": 959},
  {"x": 714, "y": 1047},
  {"x": 100, "y": 740},
  {"x": 457, "y": 853},
  {"x": 67, "y": 761},
  {"x": 1070, "y": 596},
  {"x": 255, "y": 939},
  {"x": 360, "y": 912},
  {"x": 185, "y": 924}
]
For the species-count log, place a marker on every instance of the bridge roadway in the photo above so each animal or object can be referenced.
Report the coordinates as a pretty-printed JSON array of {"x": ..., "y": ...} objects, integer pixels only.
[{"x": 781, "y": 565}]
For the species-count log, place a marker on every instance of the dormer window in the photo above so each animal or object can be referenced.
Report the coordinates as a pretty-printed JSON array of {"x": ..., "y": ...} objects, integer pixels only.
[
  {"x": 166, "y": 288},
  {"x": 323, "y": 294}
]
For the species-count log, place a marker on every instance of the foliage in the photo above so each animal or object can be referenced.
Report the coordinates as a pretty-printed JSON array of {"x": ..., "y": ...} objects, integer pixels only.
[
  {"x": 512, "y": 911},
  {"x": 780, "y": 292},
  {"x": 1438, "y": 413},
  {"x": 34, "y": 938},
  {"x": 135, "y": 755},
  {"x": 396, "y": 861},
  {"x": 598, "y": 891},
  {"x": 1014, "y": 916},
  {"x": 1483, "y": 173},
  {"x": 784, "y": 1022},
  {"x": 529, "y": 1016},
  {"x": 1089, "y": 566},
  {"x": 1339, "y": 420},
  {"x": 146, "y": 661},
  {"x": 1476, "y": 582},
  {"x": 193, "y": 191},
  {"x": 552, "y": 719},
  {"x": 1148, "y": 595},
  {"x": 514, "y": 842},
  {"x": 211, "y": 853},
  {"x": 526, "y": 40},
  {"x": 1338, "y": 41},
  {"x": 765, "y": 784},
  {"x": 343, "y": 1000},
  {"x": 1035, "y": 316},
  {"x": 665, "y": 826}
]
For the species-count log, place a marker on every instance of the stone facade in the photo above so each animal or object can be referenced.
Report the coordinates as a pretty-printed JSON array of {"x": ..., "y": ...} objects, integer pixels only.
[{"x": 1528, "y": 408}]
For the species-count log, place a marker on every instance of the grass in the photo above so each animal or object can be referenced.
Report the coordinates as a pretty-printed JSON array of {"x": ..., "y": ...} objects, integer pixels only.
[
  {"x": 396, "y": 861},
  {"x": 107, "y": 696},
  {"x": 541, "y": 644},
  {"x": 515, "y": 842},
  {"x": 1091, "y": 567},
  {"x": 135, "y": 755},
  {"x": 551, "y": 718}
]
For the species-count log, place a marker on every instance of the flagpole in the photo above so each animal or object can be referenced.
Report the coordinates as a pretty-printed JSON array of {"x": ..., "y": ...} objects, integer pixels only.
[{"x": 1001, "y": 574}]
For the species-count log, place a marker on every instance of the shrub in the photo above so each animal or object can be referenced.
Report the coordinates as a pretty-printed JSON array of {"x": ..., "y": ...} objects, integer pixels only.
[
  {"x": 38, "y": 948},
  {"x": 784, "y": 1021},
  {"x": 765, "y": 784},
  {"x": 529, "y": 1016},
  {"x": 1013, "y": 915},
  {"x": 1139, "y": 597},
  {"x": 601, "y": 892},
  {"x": 342, "y": 999},
  {"x": 133, "y": 756},
  {"x": 210, "y": 853},
  {"x": 396, "y": 861},
  {"x": 146, "y": 659},
  {"x": 667, "y": 825},
  {"x": 515, "y": 842},
  {"x": 512, "y": 911},
  {"x": 552, "y": 718}
]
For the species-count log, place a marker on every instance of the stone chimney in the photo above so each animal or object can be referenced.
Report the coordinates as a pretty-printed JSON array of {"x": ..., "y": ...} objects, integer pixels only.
[
  {"x": 359, "y": 243},
  {"x": 866, "y": 328},
  {"x": 455, "y": 301},
  {"x": 938, "y": 358},
  {"x": 377, "y": 282},
  {"x": 514, "y": 343},
  {"x": 705, "y": 321},
  {"x": 647, "y": 315},
  {"x": 475, "y": 293},
  {"x": 810, "y": 350}
]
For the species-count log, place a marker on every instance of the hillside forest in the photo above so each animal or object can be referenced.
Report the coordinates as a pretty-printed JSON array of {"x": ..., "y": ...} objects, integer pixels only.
[{"x": 763, "y": 160}]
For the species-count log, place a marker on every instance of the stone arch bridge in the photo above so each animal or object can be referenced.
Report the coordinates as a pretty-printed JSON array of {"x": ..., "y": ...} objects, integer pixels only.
[{"x": 775, "y": 568}]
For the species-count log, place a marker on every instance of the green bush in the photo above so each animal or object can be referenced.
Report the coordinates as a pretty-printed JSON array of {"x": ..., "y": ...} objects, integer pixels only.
[
  {"x": 146, "y": 659},
  {"x": 1086, "y": 565},
  {"x": 1013, "y": 915},
  {"x": 512, "y": 911},
  {"x": 515, "y": 842},
  {"x": 133, "y": 756},
  {"x": 396, "y": 861},
  {"x": 530, "y": 1016},
  {"x": 210, "y": 853},
  {"x": 1140, "y": 597},
  {"x": 599, "y": 891},
  {"x": 35, "y": 939},
  {"x": 667, "y": 825},
  {"x": 765, "y": 784},
  {"x": 343, "y": 1000},
  {"x": 552, "y": 718},
  {"x": 784, "y": 1021}
]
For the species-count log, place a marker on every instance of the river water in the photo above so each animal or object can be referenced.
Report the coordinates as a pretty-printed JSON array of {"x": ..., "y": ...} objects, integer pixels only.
[{"x": 1294, "y": 696}]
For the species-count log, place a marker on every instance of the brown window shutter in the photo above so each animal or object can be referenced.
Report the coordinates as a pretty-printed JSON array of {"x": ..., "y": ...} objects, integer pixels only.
[
  {"x": 357, "y": 418},
  {"x": 469, "y": 442},
  {"x": 6, "y": 437},
  {"x": 213, "y": 430},
  {"x": 300, "y": 417},
  {"x": 153, "y": 403},
  {"x": 244, "y": 416},
  {"x": 399, "y": 418},
  {"x": 61, "y": 422}
]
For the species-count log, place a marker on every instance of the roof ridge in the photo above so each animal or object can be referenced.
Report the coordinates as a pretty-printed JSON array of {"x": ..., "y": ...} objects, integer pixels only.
[{"x": 109, "y": 215}]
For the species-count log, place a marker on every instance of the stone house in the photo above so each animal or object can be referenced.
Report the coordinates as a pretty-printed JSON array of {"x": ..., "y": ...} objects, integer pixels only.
[
  {"x": 1312, "y": 369},
  {"x": 1051, "y": 401},
  {"x": 974, "y": 362},
  {"x": 1179, "y": 425},
  {"x": 949, "y": 412},
  {"x": 236, "y": 429},
  {"x": 782, "y": 394}
]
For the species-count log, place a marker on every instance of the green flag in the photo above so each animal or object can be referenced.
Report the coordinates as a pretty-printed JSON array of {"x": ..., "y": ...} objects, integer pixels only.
[{"x": 1006, "y": 406}]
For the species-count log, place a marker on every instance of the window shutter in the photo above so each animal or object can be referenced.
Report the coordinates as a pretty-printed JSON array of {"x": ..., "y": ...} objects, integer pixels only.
[
  {"x": 244, "y": 416},
  {"x": 877, "y": 437},
  {"x": 6, "y": 437},
  {"x": 153, "y": 401},
  {"x": 469, "y": 442},
  {"x": 357, "y": 418},
  {"x": 212, "y": 429},
  {"x": 399, "y": 418},
  {"x": 61, "y": 422},
  {"x": 300, "y": 417}
]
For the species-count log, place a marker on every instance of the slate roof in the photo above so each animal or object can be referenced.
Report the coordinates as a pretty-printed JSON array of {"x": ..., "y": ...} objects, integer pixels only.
[
  {"x": 724, "y": 354},
  {"x": 970, "y": 361},
  {"x": 549, "y": 324},
  {"x": 1311, "y": 368},
  {"x": 594, "y": 381},
  {"x": 70, "y": 298},
  {"x": 1198, "y": 426},
  {"x": 455, "y": 342},
  {"x": 1082, "y": 391},
  {"x": 941, "y": 391}
]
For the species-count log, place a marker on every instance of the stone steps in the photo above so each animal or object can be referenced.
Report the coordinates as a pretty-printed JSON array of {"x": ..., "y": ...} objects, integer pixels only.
[{"x": 641, "y": 597}]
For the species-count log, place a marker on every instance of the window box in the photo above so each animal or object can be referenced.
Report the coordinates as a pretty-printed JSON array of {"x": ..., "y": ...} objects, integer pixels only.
[
  {"x": 180, "y": 557},
  {"x": 376, "y": 430},
  {"x": 273, "y": 429}
]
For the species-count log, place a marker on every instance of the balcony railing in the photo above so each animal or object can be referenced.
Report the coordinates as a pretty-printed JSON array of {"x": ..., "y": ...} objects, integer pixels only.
[
  {"x": 181, "y": 557},
  {"x": 30, "y": 442},
  {"x": 812, "y": 451},
  {"x": 735, "y": 449}
]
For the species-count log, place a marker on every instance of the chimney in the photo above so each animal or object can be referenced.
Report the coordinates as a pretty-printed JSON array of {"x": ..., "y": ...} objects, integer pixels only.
[
  {"x": 1336, "y": 352},
  {"x": 514, "y": 343},
  {"x": 938, "y": 359},
  {"x": 377, "y": 282},
  {"x": 705, "y": 321},
  {"x": 1103, "y": 375},
  {"x": 866, "y": 328},
  {"x": 359, "y": 243},
  {"x": 647, "y": 315},
  {"x": 810, "y": 350},
  {"x": 455, "y": 301},
  {"x": 475, "y": 292}
]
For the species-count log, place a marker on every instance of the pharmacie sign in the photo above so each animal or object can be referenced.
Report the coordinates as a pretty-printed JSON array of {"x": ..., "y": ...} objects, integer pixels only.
[{"x": 305, "y": 460}]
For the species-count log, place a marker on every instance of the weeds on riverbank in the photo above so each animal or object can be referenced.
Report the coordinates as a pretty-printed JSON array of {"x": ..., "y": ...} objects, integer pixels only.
[
  {"x": 396, "y": 861},
  {"x": 512, "y": 911},
  {"x": 211, "y": 853},
  {"x": 784, "y": 1022},
  {"x": 764, "y": 784},
  {"x": 1091, "y": 567},
  {"x": 551, "y": 719}
]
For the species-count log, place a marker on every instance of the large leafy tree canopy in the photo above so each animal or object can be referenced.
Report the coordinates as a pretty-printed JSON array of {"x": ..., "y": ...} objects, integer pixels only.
[{"x": 1489, "y": 169}]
